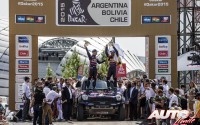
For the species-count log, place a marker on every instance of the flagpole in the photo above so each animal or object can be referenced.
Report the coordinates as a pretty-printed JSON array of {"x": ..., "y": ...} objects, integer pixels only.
[{"x": 113, "y": 39}]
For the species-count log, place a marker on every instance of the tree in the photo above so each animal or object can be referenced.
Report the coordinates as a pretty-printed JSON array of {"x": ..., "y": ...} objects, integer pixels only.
[
  {"x": 103, "y": 68},
  {"x": 70, "y": 69},
  {"x": 49, "y": 71}
]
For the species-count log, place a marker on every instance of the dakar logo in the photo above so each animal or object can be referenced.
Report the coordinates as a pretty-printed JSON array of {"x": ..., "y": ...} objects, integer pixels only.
[
  {"x": 76, "y": 13},
  {"x": 180, "y": 115}
]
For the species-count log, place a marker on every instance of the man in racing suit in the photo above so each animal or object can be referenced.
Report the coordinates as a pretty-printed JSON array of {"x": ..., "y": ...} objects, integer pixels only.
[
  {"x": 112, "y": 65},
  {"x": 93, "y": 66}
]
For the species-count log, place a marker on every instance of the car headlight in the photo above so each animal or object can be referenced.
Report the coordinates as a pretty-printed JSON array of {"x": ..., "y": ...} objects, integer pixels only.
[
  {"x": 118, "y": 97},
  {"x": 84, "y": 97}
]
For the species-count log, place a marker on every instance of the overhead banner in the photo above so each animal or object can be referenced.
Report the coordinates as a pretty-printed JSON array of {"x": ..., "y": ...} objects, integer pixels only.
[{"x": 93, "y": 12}]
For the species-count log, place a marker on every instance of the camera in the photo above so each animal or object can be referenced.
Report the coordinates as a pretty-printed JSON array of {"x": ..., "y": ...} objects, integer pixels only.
[{"x": 195, "y": 58}]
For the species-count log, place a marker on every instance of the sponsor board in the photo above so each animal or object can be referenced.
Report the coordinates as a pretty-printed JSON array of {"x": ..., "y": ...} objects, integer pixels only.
[
  {"x": 30, "y": 19},
  {"x": 93, "y": 12},
  {"x": 163, "y": 66},
  {"x": 23, "y": 66},
  {"x": 155, "y": 19},
  {"x": 163, "y": 46},
  {"x": 18, "y": 92},
  {"x": 23, "y": 53},
  {"x": 23, "y": 46},
  {"x": 18, "y": 106},
  {"x": 20, "y": 19},
  {"x": 163, "y": 53},
  {"x": 163, "y": 70}
]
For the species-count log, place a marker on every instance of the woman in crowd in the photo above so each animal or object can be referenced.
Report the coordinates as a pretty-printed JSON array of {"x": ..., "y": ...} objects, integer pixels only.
[{"x": 191, "y": 95}]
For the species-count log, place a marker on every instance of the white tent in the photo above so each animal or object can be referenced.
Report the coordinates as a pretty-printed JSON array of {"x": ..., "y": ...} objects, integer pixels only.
[{"x": 184, "y": 64}]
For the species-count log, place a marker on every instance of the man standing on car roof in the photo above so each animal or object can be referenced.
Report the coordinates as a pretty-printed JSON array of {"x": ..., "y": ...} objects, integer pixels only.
[
  {"x": 93, "y": 65},
  {"x": 113, "y": 62}
]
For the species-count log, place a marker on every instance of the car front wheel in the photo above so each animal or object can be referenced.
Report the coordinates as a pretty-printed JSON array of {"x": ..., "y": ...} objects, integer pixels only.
[
  {"x": 80, "y": 113},
  {"x": 121, "y": 115}
]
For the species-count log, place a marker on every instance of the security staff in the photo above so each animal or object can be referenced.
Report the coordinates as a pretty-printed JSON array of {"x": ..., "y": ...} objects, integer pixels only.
[{"x": 37, "y": 102}]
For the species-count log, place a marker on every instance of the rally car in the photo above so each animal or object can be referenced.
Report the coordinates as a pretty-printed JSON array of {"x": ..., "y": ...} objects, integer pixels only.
[{"x": 100, "y": 101}]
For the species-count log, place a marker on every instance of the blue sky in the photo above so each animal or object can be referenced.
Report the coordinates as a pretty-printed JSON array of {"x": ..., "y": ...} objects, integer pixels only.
[{"x": 135, "y": 45}]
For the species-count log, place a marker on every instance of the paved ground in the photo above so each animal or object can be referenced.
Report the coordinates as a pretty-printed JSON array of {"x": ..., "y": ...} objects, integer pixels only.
[{"x": 90, "y": 122}]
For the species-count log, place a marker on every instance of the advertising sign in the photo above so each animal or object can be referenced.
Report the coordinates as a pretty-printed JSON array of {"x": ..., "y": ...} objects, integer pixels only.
[
  {"x": 20, "y": 78},
  {"x": 156, "y": 19},
  {"x": 18, "y": 92},
  {"x": 23, "y": 66},
  {"x": 163, "y": 66},
  {"x": 163, "y": 46},
  {"x": 23, "y": 46},
  {"x": 18, "y": 106},
  {"x": 121, "y": 70},
  {"x": 30, "y": 19},
  {"x": 93, "y": 12}
]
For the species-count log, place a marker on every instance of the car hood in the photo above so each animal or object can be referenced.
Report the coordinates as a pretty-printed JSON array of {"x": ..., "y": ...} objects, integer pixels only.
[{"x": 100, "y": 93}]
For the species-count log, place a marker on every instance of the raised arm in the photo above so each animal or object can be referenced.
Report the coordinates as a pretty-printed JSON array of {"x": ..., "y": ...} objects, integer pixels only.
[
  {"x": 116, "y": 51},
  {"x": 106, "y": 51},
  {"x": 88, "y": 53}
]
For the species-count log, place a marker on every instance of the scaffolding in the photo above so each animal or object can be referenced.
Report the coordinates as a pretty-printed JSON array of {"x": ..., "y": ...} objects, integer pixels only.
[{"x": 188, "y": 35}]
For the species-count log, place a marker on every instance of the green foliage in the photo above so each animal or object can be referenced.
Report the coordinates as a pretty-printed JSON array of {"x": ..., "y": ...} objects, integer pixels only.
[
  {"x": 103, "y": 68},
  {"x": 70, "y": 69},
  {"x": 49, "y": 71}
]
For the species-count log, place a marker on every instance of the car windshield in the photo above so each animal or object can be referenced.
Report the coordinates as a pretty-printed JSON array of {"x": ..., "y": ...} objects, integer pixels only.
[{"x": 99, "y": 85}]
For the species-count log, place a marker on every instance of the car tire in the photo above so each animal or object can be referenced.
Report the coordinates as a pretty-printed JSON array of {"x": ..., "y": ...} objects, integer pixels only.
[
  {"x": 121, "y": 115},
  {"x": 80, "y": 113}
]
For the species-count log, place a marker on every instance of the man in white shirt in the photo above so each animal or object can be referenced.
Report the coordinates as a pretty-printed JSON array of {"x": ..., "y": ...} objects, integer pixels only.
[
  {"x": 51, "y": 96},
  {"x": 182, "y": 91},
  {"x": 26, "y": 97},
  {"x": 120, "y": 89},
  {"x": 60, "y": 84},
  {"x": 172, "y": 98},
  {"x": 46, "y": 89},
  {"x": 165, "y": 87}
]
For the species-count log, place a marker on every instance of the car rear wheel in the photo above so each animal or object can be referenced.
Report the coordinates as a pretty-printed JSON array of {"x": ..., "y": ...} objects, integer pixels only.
[
  {"x": 121, "y": 115},
  {"x": 80, "y": 113}
]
